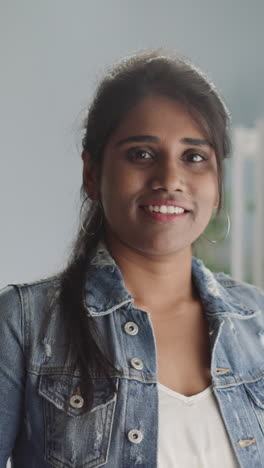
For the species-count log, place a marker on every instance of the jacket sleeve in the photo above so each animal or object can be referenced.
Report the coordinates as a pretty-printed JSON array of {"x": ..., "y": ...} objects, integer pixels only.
[{"x": 12, "y": 370}]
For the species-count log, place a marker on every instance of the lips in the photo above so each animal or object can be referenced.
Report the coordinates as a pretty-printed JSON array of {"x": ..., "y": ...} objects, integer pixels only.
[{"x": 166, "y": 203}]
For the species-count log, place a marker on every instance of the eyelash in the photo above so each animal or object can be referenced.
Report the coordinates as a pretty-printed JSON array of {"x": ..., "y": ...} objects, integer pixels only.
[{"x": 134, "y": 152}]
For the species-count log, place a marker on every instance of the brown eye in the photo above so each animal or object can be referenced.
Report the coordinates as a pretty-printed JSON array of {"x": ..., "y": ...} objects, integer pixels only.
[
  {"x": 195, "y": 157},
  {"x": 137, "y": 154}
]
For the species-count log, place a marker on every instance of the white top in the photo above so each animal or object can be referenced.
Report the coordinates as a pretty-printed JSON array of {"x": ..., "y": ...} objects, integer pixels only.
[{"x": 192, "y": 433}]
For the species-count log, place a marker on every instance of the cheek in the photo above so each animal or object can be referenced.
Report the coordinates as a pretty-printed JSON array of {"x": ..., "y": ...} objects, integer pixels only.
[
  {"x": 119, "y": 182},
  {"x": 208, "y": 192}
]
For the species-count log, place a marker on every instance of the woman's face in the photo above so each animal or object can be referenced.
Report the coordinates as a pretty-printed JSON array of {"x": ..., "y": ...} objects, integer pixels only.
[{"x": 158, "y": 155}]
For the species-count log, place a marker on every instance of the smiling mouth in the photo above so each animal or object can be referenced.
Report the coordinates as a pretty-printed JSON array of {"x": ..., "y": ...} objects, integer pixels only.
[
  {"x": 164, "y": 217},
  {"x": 164, "y": 209}
]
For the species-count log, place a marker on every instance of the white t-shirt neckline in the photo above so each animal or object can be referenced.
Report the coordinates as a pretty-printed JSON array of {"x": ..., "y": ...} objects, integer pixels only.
[{"x": 186, "y": 399}]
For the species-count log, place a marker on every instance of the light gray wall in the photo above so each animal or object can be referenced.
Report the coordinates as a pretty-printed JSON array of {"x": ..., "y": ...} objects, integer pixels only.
[{"x": 52, "y": 53}]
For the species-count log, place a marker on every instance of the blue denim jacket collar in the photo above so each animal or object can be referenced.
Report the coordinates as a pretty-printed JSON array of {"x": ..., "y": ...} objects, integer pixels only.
[{"x": 112, "y": 293}]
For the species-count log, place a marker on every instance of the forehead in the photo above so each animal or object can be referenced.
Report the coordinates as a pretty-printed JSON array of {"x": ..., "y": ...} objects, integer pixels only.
[{"x": 159, "y": 115}]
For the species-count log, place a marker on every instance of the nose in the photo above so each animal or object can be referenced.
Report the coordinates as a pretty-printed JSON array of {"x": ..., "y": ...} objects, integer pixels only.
[{"x": 170, "y": 177}]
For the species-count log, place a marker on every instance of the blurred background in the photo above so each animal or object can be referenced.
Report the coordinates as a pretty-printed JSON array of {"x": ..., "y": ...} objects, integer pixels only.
[{"x": 52, "y": 55}]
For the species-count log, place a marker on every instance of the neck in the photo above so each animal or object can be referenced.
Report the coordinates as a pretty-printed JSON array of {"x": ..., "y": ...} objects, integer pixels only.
[{"x": 155, "y": 281}]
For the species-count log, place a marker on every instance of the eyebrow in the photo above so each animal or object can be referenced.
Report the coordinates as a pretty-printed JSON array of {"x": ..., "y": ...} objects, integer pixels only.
[{"x": 153, "y": 139}]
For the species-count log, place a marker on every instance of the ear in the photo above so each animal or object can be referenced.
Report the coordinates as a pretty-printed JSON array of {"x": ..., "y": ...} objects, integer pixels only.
[
  {"x": 90, "y": 176},
  {"x": 216, "y": 203}
]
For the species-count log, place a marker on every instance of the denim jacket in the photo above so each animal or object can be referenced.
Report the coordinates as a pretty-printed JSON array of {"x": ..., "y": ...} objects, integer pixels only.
[{"x": 121, "y": 429}]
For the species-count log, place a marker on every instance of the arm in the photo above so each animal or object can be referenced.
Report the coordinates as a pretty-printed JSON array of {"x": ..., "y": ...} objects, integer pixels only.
[{"x": 12, "y": 370}]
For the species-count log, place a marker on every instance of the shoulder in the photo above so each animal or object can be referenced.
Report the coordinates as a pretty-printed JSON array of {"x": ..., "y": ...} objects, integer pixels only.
[
  {"x": 23, "y": 298},
  {"x": 247, "y": 294},
  {"x": 10, "y": 302},
  {"x": 29, "y": 317},
  {"x": 223, "y": 294},
  {"x": 34, "y": 287}
]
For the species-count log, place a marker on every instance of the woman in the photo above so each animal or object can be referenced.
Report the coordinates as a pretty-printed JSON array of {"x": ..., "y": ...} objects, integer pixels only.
[{"x": 137, "y": 354}]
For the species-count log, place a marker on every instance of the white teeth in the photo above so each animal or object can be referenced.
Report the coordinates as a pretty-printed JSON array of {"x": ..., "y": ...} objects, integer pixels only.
[
  {"x": 179, "y": 210},
  {"x": 165, "y": 209}
]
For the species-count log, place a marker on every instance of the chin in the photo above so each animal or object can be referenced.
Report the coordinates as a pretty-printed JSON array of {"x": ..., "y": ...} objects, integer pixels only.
[{"x": 161, "y": 248}]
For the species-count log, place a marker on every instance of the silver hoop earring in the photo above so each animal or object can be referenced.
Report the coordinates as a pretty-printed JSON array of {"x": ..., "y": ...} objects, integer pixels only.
[
  {"x": 227, "y": 229},
  {"x": 101, "y": 220}
]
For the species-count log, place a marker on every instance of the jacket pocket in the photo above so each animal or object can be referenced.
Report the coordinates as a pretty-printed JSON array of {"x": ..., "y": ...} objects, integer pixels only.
[
  {"x": 75, "y": 438},
  {"x": 255, "y": 391}
]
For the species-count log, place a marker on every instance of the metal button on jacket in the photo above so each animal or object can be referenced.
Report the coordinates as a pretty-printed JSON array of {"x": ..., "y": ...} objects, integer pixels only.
[
  {"x": 131, "y": 328},
  {"x": 137, "y": 363},
  {"x": 77, "y": 401},
  {"x": 135, "y": 436}
]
